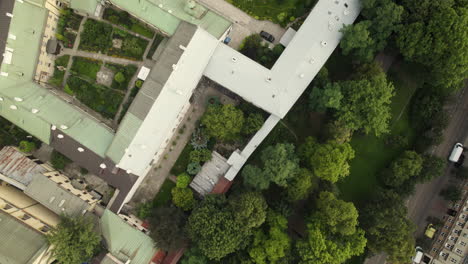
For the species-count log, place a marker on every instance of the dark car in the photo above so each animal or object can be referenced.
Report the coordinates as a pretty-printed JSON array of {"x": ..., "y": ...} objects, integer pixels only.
[{"x": 267, "y": 36}]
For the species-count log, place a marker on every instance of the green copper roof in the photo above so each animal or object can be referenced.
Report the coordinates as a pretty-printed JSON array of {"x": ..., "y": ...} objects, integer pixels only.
[
  {"x": 19, "y": 243},
  {"x": 88, "y": 6},
  {"x": 125, "y": 242},
  {"x": 27, "y": 25},
  {"x": 167, "y": 14}
]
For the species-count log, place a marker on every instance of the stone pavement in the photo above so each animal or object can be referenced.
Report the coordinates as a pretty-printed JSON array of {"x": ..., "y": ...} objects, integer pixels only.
[
  {"x": 243, "y": 24},
  {"x": 98, "y": 56}
]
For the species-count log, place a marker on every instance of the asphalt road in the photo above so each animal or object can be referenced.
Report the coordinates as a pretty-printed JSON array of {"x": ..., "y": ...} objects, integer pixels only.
[{"x": 426, "y": 201}]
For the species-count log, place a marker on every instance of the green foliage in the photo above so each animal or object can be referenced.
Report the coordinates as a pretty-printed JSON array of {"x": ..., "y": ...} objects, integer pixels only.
[
  {"x": 164, "y": 195},
  {"x": 200, "y": 155},
  {"x": 301, "y": 185},
  {"x": 338, "y": 132},
  {"x": 27, "y": 146},
  {"x": 249, "y": 209},
  {"x": 194, "y": 256},
  {"x": 62, "y": 61},
  {"x": 183, "y": 198},
  {"x": 168, "y": 228},
  {"x": 99, "y": 98},
  {"x": 180, "y": 166},
  {"x": 138, "y": 83},
  {"x": 128, "y": 72},
  {"x": 193, "y": 168},
  {"x": 119, "y": 77},
  {"x": 252, "y": 124},
  {"x": 124, "y": 19},
  {"x": 59, "y": 161},
  {"x": 432, "y": 167},
  {"x": 223, "y": 122},
  {"x": 306, "y": 150},
  {"x": 434, "y": 34},
  {"x": 279, "y": 165},
  {"x": 132, "y": 47},
  {"x": 200, "y": 138},
  {"x": 96, "y": 36},
  {"x": 329, "y": 96},
  {"x": 387, "y": 227},
  {"x": 145, "y": 210},
  {"x": 357, "y": 39},
  {"x": 407, "y": 166},
  {"x": 271, "y": 244},
  {"x": 330, "y": 161},
  {"x": 183, "y": 180},
  {"x": 253, "y": 48},
  {"x": 74, "y": 240},
  {"x": 67, "y": 20},
  {"x": 451, "y": 193},
  {"x": 340, "y": 216},
  {"x": 86, "y": 68},
  {"x": 366, "y": 102}
]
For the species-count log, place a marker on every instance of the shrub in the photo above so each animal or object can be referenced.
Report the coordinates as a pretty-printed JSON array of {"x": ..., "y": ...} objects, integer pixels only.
[
  {"x": 252, "y": 124},
  {"x": 119, "y": 77},
  {"x": 96, "y": 36},
  {"x": 193, "y": 168},
  {"x": 27, "y": 146},
  {"x": 86, "y": 67},
  {"x": 144, "y": 210},
  {"x": 199, "y": 138},
  {"x": 223, "y": 122},
  {"x": 59, "y": 161},
  {"x": 200, "y": 155},
  {"x": 139, "y": 83},
  {"x": 183, "y": 180},
  {"x": 183, "y": 198}
]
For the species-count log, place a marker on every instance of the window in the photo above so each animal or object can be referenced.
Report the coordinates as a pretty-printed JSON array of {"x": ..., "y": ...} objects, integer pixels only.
[
  {"x": 439, "y": 241},
  {"x": 7, "y": 207},
  {"x": 453, "y": 238},
  {"x": 459, "y": 251},
  {"x": 25, "y": 217},
  {"x": 448, "y": 245},
  {"x": 442, "y": 234},
  {"x": 453, "y": 260},
  {"x": 434, "y": 249},
  {"x": 446, "y": 227},
  {"x": 462, "y": 243},
  {"x": 45, "y": 229}
]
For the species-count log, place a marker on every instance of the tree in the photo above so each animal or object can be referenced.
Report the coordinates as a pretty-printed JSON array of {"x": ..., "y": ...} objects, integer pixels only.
[
  {"x": 357, "y": 39},
  {"x": 301, "y": 185},
  {"x": 168, "y": 228},
  {"x": 74, "y": 240},
  {"x": 223, "y": 122},
  {"x": 366, "y": 101},
  {"x": 249, "y": 209},
  {"x": 200, "y": 155},
  {"x": 432, "y": 167},
  {"x": 338, "y": 132},
  {"x": 330, "y": 161},
  {"x": 213, "y": 228},
  {"x": 271, "y": 243},
  {"x": 306, "y": 150},
  {"x": 183, "y": 198},
  {"x": 451, "y": 193},
  {"x": 27, "y": 146},
  {"x": 408, "y": 165},
  {"x": 279, "y": 165},
  {"x": 434, "y": 34},
  {"x": 327, "y": 97},
  {"x": 252, "y": 124},
  {"x": 58, "y": 160},
  {"x": 339, "y": 216},
  {"x": 119, "y": 77},
  {"x": 183, "y": 180},
  {"x": 194, "y": 256},
  {"x": 387, "y": 227}
]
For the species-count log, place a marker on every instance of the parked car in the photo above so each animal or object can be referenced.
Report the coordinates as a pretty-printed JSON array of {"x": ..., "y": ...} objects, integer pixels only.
[
  {"x": 267, "y": 36},
  {"x": 456, "y": 152}
]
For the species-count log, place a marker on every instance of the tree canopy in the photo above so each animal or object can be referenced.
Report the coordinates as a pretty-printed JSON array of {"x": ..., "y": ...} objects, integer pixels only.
[
  {"x": 407, "y": 166},
  {"x": 168, "y": 228},
  {"x": 74, "y": 240},
  {"x": 223, "y": 122},
  {"x": 330, "y": 160},
  {"x": 323, "y": 98},
  {"x": 340, "y": 216},
  {"x": 357, "y": 39},
  {"x": 366, "y": 101},
  {"x": 301, "y": 185}
]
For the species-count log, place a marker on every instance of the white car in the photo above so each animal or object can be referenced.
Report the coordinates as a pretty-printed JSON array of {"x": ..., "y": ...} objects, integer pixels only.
[{"x": 456, "y": 152}]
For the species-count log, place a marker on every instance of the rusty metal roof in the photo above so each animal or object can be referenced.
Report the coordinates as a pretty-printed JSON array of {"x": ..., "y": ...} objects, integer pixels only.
[{"x": 17, "y": 166}]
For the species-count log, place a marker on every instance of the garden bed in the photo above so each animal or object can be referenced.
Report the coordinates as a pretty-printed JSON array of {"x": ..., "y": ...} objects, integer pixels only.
[
  {"x": 86, "y": 68},
  {"x": 67, "y": 25},
  {"x": 127, "y": 72},
  {"x": 57, "y": 78},
  {"x": 132, "y": 47},
  {"x": 122, "y": 18},
  {"x": 96, "y": 36},
  {"x": 101, "y": 99}
]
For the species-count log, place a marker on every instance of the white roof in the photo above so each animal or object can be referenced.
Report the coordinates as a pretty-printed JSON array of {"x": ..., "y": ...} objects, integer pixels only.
[
  {"x": 143, "y": 73},
  {"x": 287, "y": 37},
  {"x": 276, "y": 90},
  {"x": 174, "y": 96}
]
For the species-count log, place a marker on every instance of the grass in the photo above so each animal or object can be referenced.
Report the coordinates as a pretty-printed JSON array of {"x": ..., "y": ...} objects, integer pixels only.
[
  {"x": 181, "y": 163},
  {"x": 62, "y": 61},
  {"x": 57, "y": 78},
  {"x": 372, "y": 153},
  {"x": 86, "y": 68},
  {"x": 142, "y": 30},
  {"x": 164, "y": 196}
]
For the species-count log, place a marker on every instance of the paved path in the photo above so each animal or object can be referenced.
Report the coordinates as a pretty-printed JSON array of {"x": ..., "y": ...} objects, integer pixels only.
[
  {"x": 243, "y": 24},
  {"x": 98, "y": 56},
  {"x": 75, "y": 48}
]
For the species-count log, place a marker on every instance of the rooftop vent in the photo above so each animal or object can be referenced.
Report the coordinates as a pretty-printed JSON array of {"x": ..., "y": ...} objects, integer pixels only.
[
  {"x": 13, "y": 107},
  {"x": 61, "y": 203},
  {"x": 53, "y": 127},
  {"x": 311, "y": 61},
  {"x": 1, "y": 99},
  {"x": 129, "y": 171},
  {"x": 60, "y": 136},
  {"x": 103, "y": 166},
  {"x": 80, "y": 149},
  {"x": 160, "y": 5},
  {"x": 9, "y": 14},
  {"x": 34, "y": 111},
  {"x": 170, "y": 11},
  {"x": 234, "y": 59},
  {"x": 4, "y": 74},
  {"x": 18, "y": 99},
  {"x": 268, "y": 79},
  {"x": 324, "y": 43},
  {"x": 51, "y": 199},
  {"x": 346, "y": 12},
  {"x": 301, "y": 75},
  {"x": 63, "y": 127}
]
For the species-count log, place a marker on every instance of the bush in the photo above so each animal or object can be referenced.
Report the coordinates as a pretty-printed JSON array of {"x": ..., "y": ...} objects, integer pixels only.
[
  {"x": 86, "y": 67},
  {"x": 193, "y": 168},
  {"x": 62, "y": 61},
  {"x": 223, "y": 122},
  {"x": 252, "y": 124},
  {"x": 96, "y": 36},
  {"x": 119, "y": 77},
  {"x": 183, "y": 198},
  {"x": 27, "y": 146},
  {"x": 59, "y": 161},
  {"x": 200, "y": 155},
  {"x": 138, "y": 83},
  {"x": 144, "y": 210},
  {"x": 183, "y": 180}
]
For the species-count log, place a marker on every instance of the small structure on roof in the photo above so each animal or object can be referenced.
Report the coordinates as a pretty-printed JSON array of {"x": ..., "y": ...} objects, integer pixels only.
[
  {"x": 209, "y": 175},
  {"x": 53, "y": 46},
  {"x": 143, "y": 73},
  {"x": 287, "y": 37}
]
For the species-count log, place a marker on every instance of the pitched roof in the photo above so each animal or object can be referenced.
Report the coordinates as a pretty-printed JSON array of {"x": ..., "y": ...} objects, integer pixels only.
[
  {"x": 15, "y": 165},
  {"x": 87, "y": 6},
  {"x": 19, "y": 243},
  {"x": 125, "y": 242},
  {"x": 52, "y": 196}
]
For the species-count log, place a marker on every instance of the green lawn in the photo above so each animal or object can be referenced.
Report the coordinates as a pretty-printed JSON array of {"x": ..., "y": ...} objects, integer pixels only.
[
  {"x": 86, "y": 68},
  {"x": 372, "y": 153},
  {"x": 164, "y": 195},
  {"x": 278, "y": 11},
  {"x": 181, "y": 163}
]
